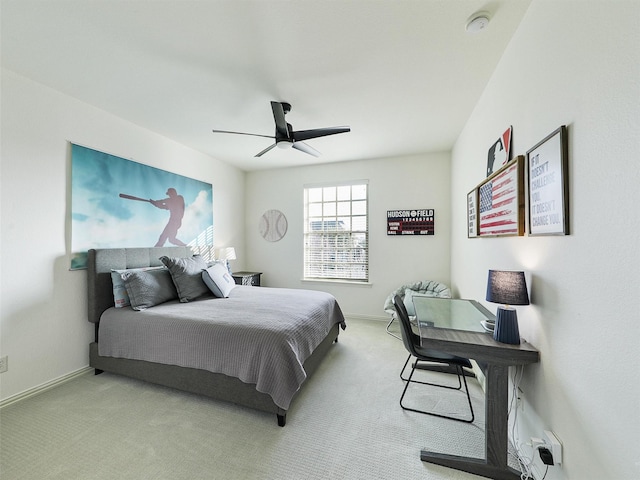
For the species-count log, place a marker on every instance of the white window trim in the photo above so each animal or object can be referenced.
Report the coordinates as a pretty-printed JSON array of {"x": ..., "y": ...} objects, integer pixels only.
[{"x": 357, "y": 281}]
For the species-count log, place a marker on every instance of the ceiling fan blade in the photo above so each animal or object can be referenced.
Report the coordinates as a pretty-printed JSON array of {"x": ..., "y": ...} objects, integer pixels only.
[
  {"x": 318, "y": 132},
  {"x": 266, "y": 150},
  {"x": 281, "y": 124},
  {"x": 303, "y": 147},
  {"x": 242, "y": 133}
]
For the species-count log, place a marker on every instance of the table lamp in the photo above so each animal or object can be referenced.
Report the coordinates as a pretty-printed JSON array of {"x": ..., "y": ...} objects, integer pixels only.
[
  {"x": 507, "y": 288},
  {"x": 226, "y": 254}
]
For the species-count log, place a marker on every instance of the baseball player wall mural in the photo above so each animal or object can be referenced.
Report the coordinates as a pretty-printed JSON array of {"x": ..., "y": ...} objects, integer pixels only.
[{"x": 113, "y": 202}]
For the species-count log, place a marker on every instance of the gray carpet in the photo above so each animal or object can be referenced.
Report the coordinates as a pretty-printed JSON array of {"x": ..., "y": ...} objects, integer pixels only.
[{"x": 345, "y": 424}]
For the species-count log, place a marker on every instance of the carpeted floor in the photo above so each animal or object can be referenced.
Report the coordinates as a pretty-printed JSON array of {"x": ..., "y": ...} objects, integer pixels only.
[{"x": 345, "y": 424}]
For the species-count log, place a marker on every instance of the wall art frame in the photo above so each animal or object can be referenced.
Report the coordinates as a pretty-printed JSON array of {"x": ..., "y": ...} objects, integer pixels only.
[
  {"x": 411, "y": 221},
  {"x": 273, "y": 225},
  {"x": 548, "y": 185},
  {"x": 500, "y": 152},
  {"x": 501, "y": 201},
  {"x": 117, "y": 202},
  {"x": 472, "y": 213}
]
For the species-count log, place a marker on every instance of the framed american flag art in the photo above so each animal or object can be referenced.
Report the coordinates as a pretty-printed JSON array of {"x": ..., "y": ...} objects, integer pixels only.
[{"x": 501, "y": 201}]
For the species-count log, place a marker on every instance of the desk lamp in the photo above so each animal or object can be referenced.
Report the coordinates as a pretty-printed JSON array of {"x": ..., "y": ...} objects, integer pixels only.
[{"x": 507, "y": 288}]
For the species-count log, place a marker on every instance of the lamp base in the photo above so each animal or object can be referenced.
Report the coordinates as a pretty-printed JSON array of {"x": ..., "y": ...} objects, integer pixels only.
[{"x": 506, "y": 330}]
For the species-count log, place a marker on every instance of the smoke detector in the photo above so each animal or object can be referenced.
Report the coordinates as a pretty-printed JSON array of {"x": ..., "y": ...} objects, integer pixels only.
[{"x": 477, "y": 22}]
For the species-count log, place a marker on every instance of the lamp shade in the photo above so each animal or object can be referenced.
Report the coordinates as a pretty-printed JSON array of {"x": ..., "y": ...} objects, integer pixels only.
[
  {"x": 508, "y": 288},
  {"x": 227, "y": 253}
]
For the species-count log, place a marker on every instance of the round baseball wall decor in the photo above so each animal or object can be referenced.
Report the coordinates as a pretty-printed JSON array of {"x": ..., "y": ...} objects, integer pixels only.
[{"x": 273, "y": 225}]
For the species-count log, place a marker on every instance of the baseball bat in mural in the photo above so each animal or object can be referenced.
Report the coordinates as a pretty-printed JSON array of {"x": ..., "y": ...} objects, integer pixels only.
[
  {"x": 131, "y": 197},
  {"x": 175, "y": 204}
]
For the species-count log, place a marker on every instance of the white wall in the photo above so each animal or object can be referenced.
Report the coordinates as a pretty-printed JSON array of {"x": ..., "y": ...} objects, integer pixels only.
[
  {"x": 394, "y": 183},
  {"x": 573, "y": 63},
  {"x": 43, "y": 323}
]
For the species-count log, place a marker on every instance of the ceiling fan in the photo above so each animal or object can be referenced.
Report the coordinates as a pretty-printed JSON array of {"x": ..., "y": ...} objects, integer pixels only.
[{"x": 286, "y": 137}]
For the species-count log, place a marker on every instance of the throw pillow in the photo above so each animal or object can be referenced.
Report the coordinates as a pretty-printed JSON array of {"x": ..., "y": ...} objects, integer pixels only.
[
  {"x": 218, "y": 279},
  {"x": 120, "y": 295},
  {"x": 187, "y": 276},
  {"x": 148, "y": 288}
]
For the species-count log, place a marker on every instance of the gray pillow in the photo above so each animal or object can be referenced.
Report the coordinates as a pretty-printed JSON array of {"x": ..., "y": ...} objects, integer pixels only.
[
  {"x": 120, "y": 295},
  {"x": 218, "y": 280},
  {"x": 187, "y": 276},
  {"x": 147, "y": 288}
]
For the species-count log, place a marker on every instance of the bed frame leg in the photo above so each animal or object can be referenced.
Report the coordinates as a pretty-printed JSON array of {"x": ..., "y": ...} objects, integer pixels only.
[
  {"x": 98, "y": 371},
  {"x": 282, "y": 420}
]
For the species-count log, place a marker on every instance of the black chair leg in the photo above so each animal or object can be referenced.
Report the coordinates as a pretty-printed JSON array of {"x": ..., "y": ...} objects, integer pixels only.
[
  {"x": 466, "y": 387},
  {"x": 389, "y": 332},
  {"x": 409, "y": 380},
  {"x": 459, "y": 387},
  {"x": 404, "y": 367}
]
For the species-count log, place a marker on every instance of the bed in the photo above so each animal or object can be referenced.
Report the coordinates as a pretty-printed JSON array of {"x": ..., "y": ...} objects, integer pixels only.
[{"x": 254, "y": 348}]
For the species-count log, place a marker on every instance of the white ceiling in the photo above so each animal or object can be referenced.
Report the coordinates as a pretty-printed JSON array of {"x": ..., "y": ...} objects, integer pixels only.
[{"x": 403, "y": 74}]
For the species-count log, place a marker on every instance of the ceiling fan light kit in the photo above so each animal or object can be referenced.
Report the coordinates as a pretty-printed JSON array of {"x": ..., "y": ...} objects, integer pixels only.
[
  {"x": 477, "y": 22},
  {"x": 286, "y": 137}
]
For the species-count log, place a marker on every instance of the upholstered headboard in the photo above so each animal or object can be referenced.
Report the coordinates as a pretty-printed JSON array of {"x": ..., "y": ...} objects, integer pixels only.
[{"x": 101, "y": 261}]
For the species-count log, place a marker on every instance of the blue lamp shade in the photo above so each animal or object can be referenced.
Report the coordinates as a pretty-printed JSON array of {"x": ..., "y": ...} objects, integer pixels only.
[{"x": 508, "y": 288}]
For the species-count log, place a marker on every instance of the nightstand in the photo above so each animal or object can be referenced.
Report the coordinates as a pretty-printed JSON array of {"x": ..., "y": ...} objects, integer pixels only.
[{"x": 247, "y": 278}]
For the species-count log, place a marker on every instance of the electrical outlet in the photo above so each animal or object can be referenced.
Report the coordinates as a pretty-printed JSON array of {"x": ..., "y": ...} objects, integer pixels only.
[
  {"x": 4, "y": 364},
  {"x": 554, "y": 445}
]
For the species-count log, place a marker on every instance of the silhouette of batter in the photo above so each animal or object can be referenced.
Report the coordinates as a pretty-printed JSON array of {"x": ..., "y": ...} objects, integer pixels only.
[{"x": 175, "y": 204}]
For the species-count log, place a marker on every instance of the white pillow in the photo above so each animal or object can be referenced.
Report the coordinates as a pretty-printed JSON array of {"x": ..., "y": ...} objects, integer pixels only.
[
  {"x": 218, "y": 279},
  {"x": 120, "y": 295}
]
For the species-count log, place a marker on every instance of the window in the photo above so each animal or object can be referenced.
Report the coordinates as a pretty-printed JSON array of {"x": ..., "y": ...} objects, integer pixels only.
[{"x": 336, "y": 232}]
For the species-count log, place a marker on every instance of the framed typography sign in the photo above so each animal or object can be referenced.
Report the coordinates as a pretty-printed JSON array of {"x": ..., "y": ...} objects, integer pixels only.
[
  {"x": 547, "y": 165},
  {"x": 415, "y": 221},
  {"x": 472, "y": 213},
  {"x": 501, "y": 201}
]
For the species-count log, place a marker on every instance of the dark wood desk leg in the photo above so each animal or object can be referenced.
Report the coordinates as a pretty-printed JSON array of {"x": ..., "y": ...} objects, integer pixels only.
[
  {"x": 496, "y": 410},
  {"x": 494, "y": 465}
]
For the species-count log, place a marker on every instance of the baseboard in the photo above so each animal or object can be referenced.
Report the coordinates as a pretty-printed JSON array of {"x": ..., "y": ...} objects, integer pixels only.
[
  {"x": 376, "y": 318},
  {"x": 45, "y": 386}
]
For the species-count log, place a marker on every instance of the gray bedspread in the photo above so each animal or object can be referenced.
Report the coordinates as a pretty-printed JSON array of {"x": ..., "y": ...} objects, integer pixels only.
[{"x": 260, "y": 335}]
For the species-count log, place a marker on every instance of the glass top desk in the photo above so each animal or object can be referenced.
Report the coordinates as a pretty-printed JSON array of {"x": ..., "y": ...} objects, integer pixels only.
[
  {"x": 456, "y": 314},
  {"x": 454, "y": 326}
]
